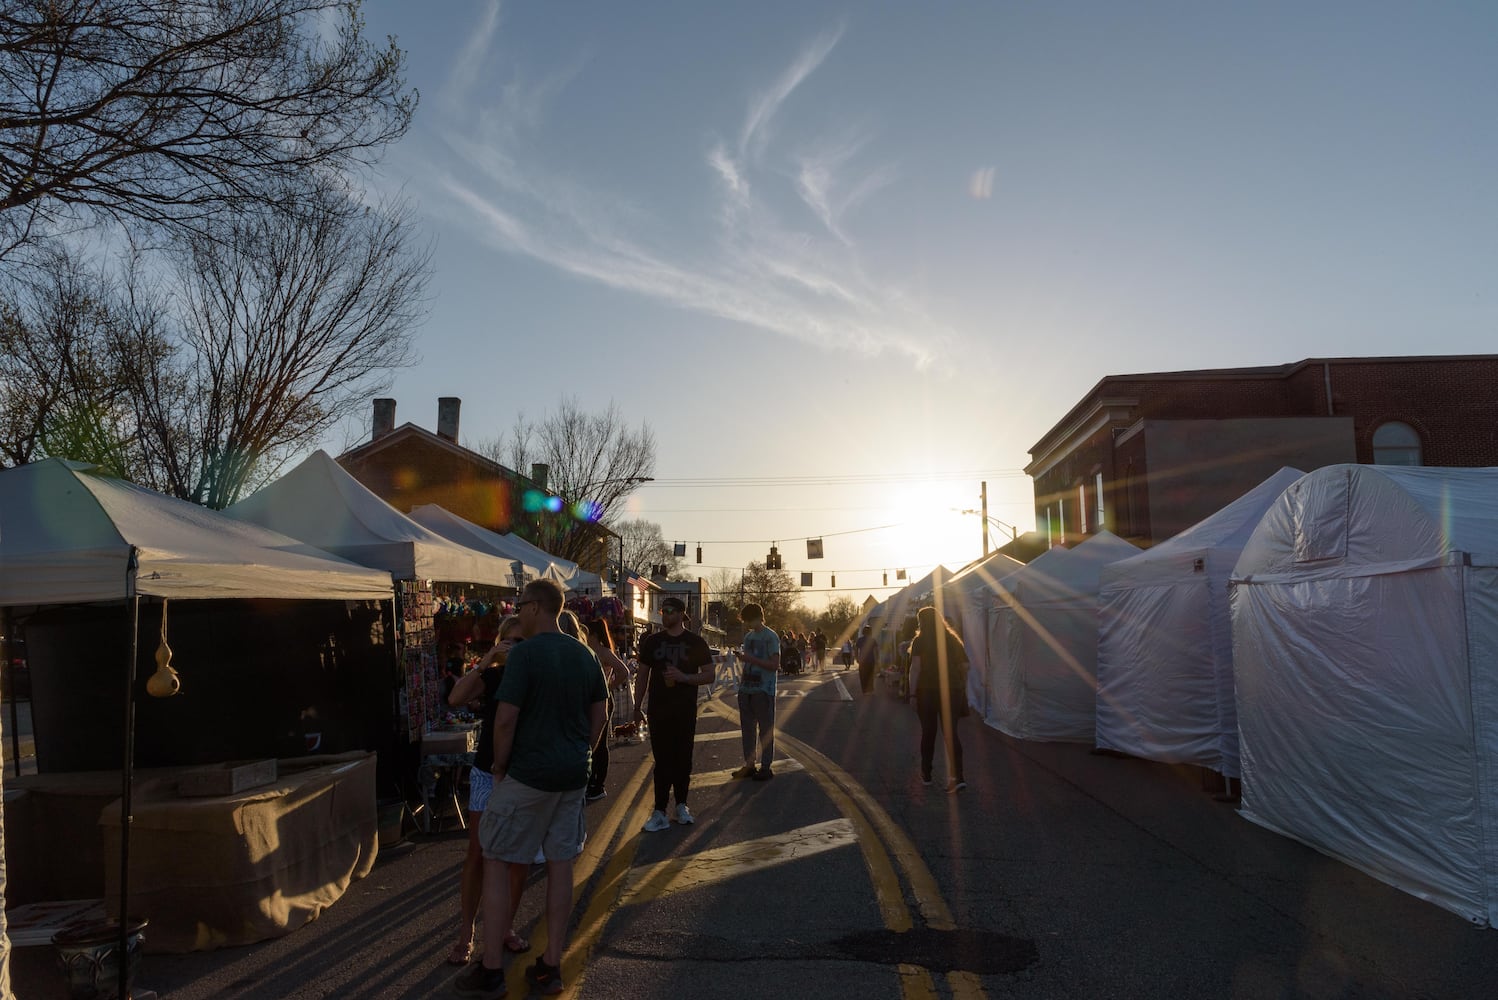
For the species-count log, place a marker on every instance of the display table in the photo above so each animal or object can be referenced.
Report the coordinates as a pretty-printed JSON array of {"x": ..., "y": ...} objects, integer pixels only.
[
  {"x": 230, "y": 870},
  {"x": 445, "y": 753}
]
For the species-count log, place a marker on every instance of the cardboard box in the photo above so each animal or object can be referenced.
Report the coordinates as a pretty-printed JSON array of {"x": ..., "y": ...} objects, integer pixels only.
[{"x": 229, "y": 778}]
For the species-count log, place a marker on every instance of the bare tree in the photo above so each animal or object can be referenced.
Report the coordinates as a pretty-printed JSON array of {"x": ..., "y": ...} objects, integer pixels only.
[
  {"x": 60, "y": 387},
  {"x": 169, "y": 112},
  {"x": 594, "y": 460},
  {"x": 645, "y": 546},
  {"x": 291, "y": 317},
  {"x": 776, "y": 592}
]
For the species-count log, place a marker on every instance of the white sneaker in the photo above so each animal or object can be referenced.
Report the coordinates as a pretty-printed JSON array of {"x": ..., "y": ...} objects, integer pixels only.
[
  {"x": 657, "y": 822},
  {"x": 683, "y": 814}
]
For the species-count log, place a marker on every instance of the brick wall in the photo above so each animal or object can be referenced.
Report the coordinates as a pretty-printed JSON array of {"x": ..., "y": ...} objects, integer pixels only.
[{"x": 1452, "y": 403}]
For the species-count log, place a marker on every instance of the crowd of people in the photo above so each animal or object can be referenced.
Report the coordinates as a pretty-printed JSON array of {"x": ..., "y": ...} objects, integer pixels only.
[{"x": 545, "y": 695}]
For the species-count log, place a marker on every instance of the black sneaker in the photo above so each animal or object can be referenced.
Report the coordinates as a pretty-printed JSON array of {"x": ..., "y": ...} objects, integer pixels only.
[
  {"x": 546, "y": 979},
  {"x": 763, "y": 774},
  {"x": 747, "y": 771},
  {"x": 479, "y": 983}
]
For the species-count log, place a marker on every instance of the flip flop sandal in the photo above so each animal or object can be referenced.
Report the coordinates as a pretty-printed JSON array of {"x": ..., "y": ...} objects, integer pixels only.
[
  {"x": 516, "y": 944},
  {"x": 460, "y": 955}
]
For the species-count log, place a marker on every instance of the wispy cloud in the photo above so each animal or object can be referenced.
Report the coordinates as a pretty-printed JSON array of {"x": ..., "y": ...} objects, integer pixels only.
[{"x": 774, "y": 250}]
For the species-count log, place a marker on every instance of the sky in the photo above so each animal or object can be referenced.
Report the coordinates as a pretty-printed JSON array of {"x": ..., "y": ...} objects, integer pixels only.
[{"x": 849, "y": 261}]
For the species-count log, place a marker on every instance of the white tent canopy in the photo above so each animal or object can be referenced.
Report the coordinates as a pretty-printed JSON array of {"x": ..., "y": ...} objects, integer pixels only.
[
  {"x": 905, "y": 602},
  {"x": 573, "y": 576},
  {"x": 1365, "y": 641},
  {"x": 1042, "y": 643},
  {"x": 455, "y": 529},
  {"x": 66, "y": 534},
  {"x": 965, "y": 600},
  {"x": 322, "y": 505},
  {"x": 1165, "y": 640}
]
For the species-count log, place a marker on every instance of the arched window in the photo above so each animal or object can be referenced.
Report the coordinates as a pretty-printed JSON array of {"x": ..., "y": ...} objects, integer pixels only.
[{"x": 1395, "y": 443}]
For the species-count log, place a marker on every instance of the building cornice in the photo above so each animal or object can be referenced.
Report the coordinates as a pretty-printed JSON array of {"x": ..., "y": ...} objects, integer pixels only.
[{"x": 1084, "y": 423}]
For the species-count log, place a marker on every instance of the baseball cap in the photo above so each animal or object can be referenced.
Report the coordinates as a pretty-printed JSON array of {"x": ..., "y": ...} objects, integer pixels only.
[{"x": 673, "y": 604}]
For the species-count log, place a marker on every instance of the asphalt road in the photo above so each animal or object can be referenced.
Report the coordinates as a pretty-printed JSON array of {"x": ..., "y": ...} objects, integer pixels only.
[{"x": 1058, "y": 874}]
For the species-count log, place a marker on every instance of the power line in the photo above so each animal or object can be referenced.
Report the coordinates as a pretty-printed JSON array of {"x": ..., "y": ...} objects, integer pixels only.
[{"x": 858, "y": 479}]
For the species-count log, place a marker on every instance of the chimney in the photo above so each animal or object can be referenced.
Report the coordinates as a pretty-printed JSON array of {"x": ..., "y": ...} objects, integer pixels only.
[
  {"x": 447, "y": 417},
  {"x": 539, "y": 472},
  {"x": 384, "y": 418}
]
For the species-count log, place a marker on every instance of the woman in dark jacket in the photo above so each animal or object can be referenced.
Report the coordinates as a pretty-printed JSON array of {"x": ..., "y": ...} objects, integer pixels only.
[{"x": 938, "y": 686}]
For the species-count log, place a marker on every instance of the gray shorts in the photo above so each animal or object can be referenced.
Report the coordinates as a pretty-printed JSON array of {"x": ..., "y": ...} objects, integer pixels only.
[{"x": 520, "y": 820}]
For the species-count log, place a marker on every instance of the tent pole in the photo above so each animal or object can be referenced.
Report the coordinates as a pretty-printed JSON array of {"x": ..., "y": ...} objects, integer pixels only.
[
  {"x": 8, "y": 666},
  {"x": 127, "y": 773}
]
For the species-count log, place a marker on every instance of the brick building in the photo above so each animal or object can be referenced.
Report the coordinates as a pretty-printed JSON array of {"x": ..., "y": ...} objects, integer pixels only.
[
  {"x": 1148, "y": 455},
  {"x": 408, "y": 466}
]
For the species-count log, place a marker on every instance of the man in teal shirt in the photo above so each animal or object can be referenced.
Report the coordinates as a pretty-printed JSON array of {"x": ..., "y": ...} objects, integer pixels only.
[
  {"x": 550, "y": 714},
  {"x": 761, "y": 660}
]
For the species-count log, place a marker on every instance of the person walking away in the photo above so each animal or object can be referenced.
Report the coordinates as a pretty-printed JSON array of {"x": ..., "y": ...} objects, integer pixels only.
[
  {"x": 847, "y": 654},
  {"x": 938, "y": 686},
  {"x": 676, "y": 663},
  {"x": 616, "y": 674},
  {"x": 819, "y": 649},
  {"x": 868, "y": 657},
  {"x": 761, "y": 656},
  {"x": 551, "y": 709},
  {"x": 477, "y": 688}
]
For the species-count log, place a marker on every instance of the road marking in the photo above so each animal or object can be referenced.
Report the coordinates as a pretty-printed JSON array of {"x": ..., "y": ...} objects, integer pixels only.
[
  {"x": 842, "y": 692},
  {"x": 693, "y": 871},
  {"x": 709, "y": 737}
]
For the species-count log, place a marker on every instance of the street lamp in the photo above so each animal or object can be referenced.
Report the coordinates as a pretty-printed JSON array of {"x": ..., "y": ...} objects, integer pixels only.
[{"x": 987, "y": 519}]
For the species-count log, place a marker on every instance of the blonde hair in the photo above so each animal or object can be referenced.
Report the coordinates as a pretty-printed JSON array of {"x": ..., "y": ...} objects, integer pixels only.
[{"x": 506, "y": 623}]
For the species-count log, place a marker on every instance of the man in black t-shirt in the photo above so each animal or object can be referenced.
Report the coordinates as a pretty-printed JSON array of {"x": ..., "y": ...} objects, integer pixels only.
[{"x": 674, "y": 663}]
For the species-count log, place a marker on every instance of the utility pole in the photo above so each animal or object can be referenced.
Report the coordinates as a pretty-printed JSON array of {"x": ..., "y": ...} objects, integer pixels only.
[{"x": 984, "y": 498}]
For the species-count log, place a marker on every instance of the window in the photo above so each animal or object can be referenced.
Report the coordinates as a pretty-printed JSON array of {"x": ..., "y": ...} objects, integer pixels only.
[
  {"x": 1395, "y": 443},
  {"x": 1097, "y": 496},
  {"x": 1081, "y": 509}
]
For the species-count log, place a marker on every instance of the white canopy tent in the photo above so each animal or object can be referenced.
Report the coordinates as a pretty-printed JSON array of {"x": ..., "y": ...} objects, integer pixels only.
[
  {"x": 574, "y": 577},
  {"x": 903, "y": 603},
  {"x": 66, "y": 533},
  {"x": 965, "y": 600},
  {"x": 322, "y": 505},
  {"x": 1165, "y": 640},
  {"x": 1365, "y": 642},
  {"x": 455, "y": 529},
  {"x": 1042, "y": 643}
]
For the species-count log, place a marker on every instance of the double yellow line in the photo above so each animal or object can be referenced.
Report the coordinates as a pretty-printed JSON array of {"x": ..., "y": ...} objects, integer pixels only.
[{"x": 885, "y": 847}]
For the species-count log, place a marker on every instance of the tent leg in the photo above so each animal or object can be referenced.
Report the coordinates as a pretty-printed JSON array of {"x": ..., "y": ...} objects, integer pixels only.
[{"x": 127, "y": 773}]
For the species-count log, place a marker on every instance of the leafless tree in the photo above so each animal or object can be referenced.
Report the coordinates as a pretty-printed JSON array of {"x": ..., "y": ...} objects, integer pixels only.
[
  {"x": 595, "y": 461},
  {"x": 776, "y": 592},
  {"x": 291, "y": 318},
  {"x": 60, "y": 387},
  {"x": 645, "y": 546},
  {"x": 170, "y": 112}
]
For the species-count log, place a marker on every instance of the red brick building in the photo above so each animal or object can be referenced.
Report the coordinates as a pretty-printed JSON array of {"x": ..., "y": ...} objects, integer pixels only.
[
  {"x": 1146, "y": 456},
  {"x": 408, "y": 466}
]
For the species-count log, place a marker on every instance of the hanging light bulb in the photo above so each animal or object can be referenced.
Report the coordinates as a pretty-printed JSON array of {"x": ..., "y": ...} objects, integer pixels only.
[{"x": 164, "y": 682}]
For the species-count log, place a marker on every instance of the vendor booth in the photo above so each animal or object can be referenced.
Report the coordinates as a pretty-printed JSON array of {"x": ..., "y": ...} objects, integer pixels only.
[
  {"x": 1365, "y": 644},
  {"x": 1042, "y": 643},
  {"x": 449, "y": 598},
  {"x": 87, "y": 563},
  {"x": 1165, "y": 641}
]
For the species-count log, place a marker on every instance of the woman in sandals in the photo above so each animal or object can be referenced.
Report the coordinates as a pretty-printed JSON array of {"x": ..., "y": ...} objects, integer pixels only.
[{"x": 477, "y": 687}]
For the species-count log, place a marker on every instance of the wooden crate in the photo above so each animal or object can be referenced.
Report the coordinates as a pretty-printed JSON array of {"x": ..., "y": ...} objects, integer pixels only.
[{"x": 226, "y": 779}]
